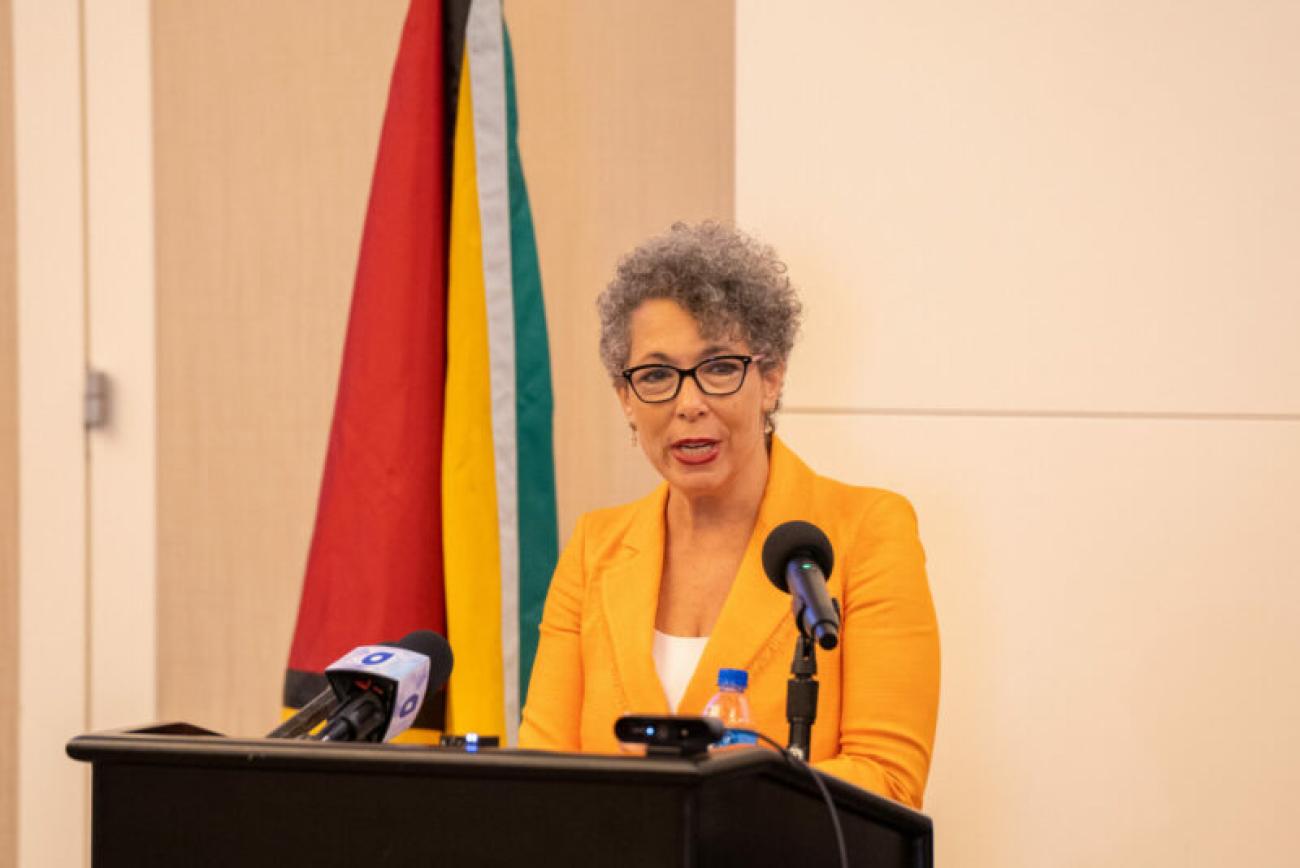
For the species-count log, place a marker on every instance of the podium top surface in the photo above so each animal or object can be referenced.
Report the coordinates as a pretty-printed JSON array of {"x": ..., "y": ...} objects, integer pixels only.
[{"x": 184, "y": 745}]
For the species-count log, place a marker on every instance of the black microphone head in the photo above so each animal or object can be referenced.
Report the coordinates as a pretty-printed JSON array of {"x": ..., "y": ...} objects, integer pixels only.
[
  {"x": 436, "y": 648},
  {"x": 795, "y": 539}
]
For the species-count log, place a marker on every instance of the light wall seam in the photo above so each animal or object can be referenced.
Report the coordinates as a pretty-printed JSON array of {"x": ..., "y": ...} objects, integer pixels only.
[{"x": 991, "y": 413}]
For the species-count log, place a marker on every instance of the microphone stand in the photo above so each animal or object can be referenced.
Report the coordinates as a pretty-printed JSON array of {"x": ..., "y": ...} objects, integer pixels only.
[{"x": 801, "y": 691}]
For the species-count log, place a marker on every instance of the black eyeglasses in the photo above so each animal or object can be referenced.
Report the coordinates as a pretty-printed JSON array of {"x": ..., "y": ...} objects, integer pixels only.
[{"x": 720, "y": 375}]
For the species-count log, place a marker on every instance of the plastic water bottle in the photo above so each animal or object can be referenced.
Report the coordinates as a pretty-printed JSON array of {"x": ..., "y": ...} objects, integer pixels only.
[{"x": 730, "y": 706}]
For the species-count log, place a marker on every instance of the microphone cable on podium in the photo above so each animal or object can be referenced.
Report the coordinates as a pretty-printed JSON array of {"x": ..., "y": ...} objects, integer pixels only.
[{"x": 821, "y": 785}]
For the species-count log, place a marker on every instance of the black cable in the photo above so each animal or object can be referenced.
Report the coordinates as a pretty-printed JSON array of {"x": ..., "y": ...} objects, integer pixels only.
[
  {"x": 835, "y": 816},
  {"x": 821, "y": 785}
]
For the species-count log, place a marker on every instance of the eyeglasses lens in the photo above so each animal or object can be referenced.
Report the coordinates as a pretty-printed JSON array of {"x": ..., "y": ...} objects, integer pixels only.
[{"x": 714, "y": 376}]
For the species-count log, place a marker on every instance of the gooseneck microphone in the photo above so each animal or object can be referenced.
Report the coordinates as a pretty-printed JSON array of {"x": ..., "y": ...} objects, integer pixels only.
[
  {"x": 798, "y": 559},
  {"x": 375, "y": 691}
]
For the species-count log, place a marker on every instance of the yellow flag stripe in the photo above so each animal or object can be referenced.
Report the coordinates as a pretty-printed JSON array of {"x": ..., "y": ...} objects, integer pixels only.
[{"x": 471, "y": 554}]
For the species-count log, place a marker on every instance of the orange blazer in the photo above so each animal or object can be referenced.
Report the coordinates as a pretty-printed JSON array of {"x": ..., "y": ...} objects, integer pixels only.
[{"x": 879, "y": 688}]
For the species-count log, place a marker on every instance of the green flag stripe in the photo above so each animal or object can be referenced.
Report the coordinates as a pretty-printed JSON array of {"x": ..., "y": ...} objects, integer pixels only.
[{"x": 538, "y": 543}]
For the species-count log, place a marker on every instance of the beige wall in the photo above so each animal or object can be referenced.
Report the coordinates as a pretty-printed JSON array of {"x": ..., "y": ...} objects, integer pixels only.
[
  {"x": 1048, "y": 254},
  {"x": 8, "y": 454}
]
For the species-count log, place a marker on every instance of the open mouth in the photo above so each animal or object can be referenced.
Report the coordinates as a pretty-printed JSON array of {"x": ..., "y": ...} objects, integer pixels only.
[{"x": 695, "y": 450}]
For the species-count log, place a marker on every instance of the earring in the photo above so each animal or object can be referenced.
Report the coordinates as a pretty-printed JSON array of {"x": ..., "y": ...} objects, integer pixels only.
[{"x": 632, "y": 425}]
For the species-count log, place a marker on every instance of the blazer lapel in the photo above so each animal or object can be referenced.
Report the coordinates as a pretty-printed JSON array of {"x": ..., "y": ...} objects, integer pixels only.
[
  {"x": 754, "y": 610},
  {"x": 630, "y": 596}
]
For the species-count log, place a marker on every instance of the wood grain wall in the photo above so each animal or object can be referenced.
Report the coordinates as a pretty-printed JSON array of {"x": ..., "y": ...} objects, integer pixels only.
[
  {"x": 8, "y": 452},
  {"x": 626, "y": 125},
  {"x": 266, "y": 122}
]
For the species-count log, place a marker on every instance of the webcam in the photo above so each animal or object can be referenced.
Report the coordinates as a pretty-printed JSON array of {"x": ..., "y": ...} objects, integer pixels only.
[{"x": 670, "y": 735}]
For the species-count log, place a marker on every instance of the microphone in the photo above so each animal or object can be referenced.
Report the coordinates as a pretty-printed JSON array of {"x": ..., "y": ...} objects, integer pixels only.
[
  {"x": 381, "y": 688},
  {"x": 305, "y": 719},
  {"x": 368, "y": 684},
  {"x": 798, "y": 559}
]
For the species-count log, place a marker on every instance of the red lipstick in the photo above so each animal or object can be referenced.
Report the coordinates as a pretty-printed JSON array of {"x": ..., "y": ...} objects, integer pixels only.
[{"x": 695, "y": 450}]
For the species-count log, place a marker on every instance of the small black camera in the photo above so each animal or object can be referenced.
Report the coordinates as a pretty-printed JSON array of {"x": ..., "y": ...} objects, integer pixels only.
[
  {"x": 669, "y": 734},
  {"x": 470, "y": 742}
]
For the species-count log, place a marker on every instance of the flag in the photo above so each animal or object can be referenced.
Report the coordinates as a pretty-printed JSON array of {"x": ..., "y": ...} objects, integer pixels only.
[{"x": 437, "y": 503}]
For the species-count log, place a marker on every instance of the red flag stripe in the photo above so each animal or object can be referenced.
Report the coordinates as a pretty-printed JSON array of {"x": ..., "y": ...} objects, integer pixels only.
[{"x": 374, "y": 571}]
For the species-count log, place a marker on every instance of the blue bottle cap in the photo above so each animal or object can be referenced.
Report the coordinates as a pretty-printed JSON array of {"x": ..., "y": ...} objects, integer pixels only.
[{"x": 733, "y": 678}]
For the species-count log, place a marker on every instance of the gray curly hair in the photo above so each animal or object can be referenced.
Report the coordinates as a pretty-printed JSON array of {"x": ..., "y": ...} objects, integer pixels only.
[{"x": 732, "y": 284}]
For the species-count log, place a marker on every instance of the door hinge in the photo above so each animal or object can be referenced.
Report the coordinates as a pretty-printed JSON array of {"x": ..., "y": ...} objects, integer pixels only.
[{"x": 98, "y": 399}]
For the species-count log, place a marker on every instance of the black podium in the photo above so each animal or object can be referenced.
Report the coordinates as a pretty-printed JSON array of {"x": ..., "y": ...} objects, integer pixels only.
[{"x": 174, "y": 795}]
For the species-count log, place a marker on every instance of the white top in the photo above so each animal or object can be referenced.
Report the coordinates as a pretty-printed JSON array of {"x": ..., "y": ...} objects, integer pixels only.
[{"x": 675, "y": 660}]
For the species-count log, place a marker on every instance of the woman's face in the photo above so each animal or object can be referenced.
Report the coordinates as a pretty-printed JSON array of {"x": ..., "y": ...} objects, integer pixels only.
[{"x": 700, "y": 443}]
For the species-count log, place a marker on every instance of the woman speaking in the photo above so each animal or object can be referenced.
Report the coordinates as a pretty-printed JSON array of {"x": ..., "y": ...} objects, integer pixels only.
[{"x": 649, "y": 600}]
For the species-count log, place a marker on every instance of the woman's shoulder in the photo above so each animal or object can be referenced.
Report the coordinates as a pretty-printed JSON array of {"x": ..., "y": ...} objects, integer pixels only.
[
  {"x": 867, "y": 509},
  {"x": 865, "y": 498},
  {"x": 873, "y": 513},
  {"x": 843, "y": 497},
  {"x": 630, "y": 521}
]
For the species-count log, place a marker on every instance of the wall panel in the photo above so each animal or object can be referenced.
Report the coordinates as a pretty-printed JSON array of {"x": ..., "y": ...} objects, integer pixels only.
[
  {"x": 8, "y": 454},
  {"x": 121, "y": 455},
  {"x": 626, "y": 125},
  {"x": 53, "y": 595},
  {"x": 1120, "y": 626},
  {"x": 1071, "y": 206},
  {"x": 266, "y": 123}
]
